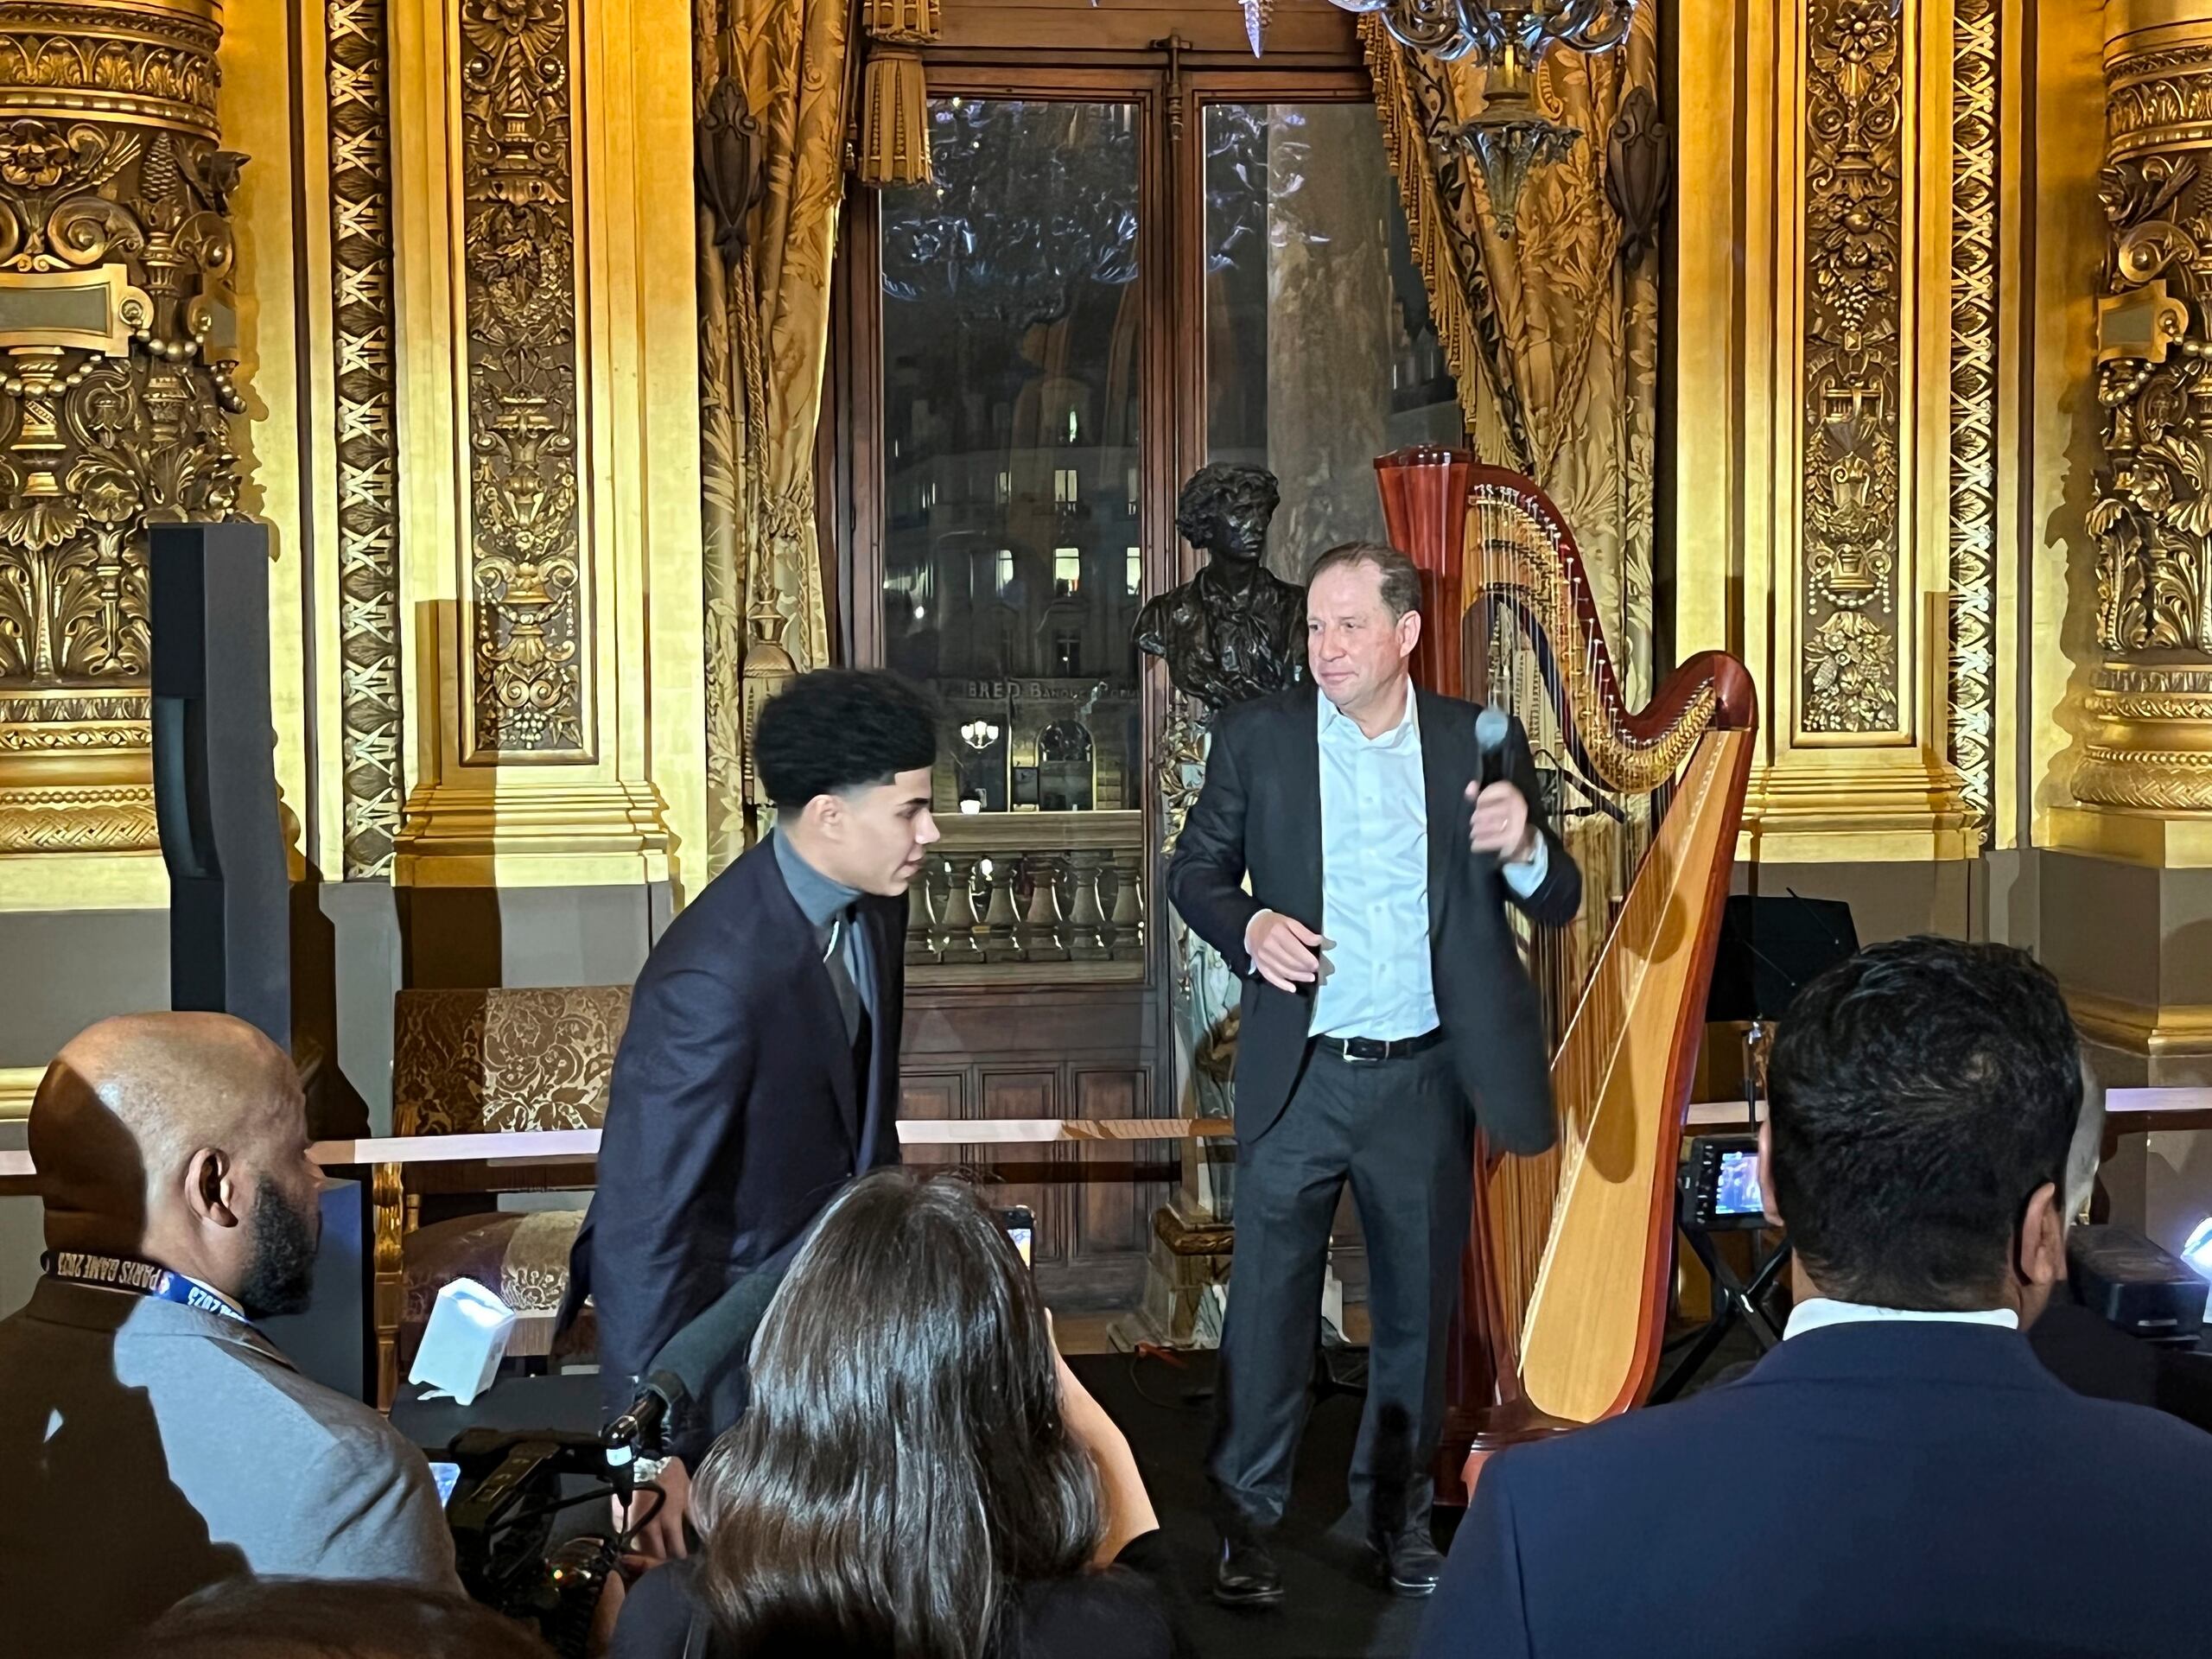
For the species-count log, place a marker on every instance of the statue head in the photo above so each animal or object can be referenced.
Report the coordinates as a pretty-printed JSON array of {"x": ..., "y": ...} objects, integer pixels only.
[{"x": 1226, "y": 508}]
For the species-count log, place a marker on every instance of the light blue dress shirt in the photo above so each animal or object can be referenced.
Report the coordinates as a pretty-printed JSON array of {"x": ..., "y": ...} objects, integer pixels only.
[{"x": 1375, "y": 976}]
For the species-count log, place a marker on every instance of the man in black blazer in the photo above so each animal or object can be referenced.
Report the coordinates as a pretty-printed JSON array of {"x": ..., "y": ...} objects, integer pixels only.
[
  {"x": 1904, "y": 1474},
  {"x": 759, "y": 1070},
  {"x": 1385, "y": 1013}
]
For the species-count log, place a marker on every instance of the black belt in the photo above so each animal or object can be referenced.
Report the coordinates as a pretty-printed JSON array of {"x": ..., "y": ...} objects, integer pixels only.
[{"x": 1369, "y": 1050}]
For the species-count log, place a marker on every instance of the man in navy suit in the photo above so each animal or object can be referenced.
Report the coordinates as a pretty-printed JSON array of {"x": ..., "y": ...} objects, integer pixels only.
[
  {"x": 1901, "y": 1475},
  {"x": 759, "y": 1070}
]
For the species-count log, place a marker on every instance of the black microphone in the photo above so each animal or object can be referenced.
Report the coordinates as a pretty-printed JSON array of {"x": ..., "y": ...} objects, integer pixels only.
[
  {"x": 659, "y": 1397},
  {"x": 688, "y": 1362},
  {"x": 1491, "y": 727}
]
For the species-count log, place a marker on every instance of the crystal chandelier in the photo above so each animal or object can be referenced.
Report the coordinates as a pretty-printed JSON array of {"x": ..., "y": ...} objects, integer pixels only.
[{"x": 1510, "y": 139}]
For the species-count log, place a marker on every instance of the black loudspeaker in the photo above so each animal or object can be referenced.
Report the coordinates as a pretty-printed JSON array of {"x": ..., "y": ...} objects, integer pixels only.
[{"x": 215, "y": 775}]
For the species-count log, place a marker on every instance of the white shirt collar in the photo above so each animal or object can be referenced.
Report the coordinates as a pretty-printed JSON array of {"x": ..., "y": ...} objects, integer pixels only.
[
  {"x": 1332, "y": 723},
  {"x": 1819, "y": 1311}
]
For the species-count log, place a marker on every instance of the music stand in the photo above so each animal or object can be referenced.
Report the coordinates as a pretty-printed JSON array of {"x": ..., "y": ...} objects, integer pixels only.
[{"x": 1769, "y": 947}]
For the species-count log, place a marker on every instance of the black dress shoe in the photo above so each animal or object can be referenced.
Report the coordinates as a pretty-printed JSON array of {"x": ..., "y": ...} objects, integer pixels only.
[
  {"x": 1246, "y": 1575},
  {"x": 1408, "y": 1563}
]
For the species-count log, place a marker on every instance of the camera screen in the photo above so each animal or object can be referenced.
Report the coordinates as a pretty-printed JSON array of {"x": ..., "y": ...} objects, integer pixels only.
[
  {"x": 1736, "y": 1193},
  {"x": 1020, "y": 1225},
  {"x": 445, "y": 1474}
]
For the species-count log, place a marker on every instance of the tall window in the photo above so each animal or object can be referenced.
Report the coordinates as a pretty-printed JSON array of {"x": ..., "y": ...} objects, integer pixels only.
[
  {"x": 1319, "y": 352},
  {"x": 1011, "y": 442},
  {"x": 1014, "y": 331}
]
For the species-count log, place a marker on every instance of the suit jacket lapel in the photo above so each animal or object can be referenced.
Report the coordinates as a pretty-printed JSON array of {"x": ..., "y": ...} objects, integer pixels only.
[{"x": 1445, "y": 772}]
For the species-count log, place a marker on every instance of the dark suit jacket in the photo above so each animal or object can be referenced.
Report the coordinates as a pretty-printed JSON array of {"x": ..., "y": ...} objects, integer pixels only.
[
  {"x": 734, "y": 1117},
  {"x": 1881, "y": 1489},
  {"x": 1260, "y": 813}
]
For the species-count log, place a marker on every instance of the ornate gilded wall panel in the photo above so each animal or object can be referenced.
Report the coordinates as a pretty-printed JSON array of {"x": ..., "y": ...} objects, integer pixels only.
[
  {"x": 527, "y": 694},
  {"x": 1973, "y": 483},
  {"x": 1839, "y": 309},
  {"x": 552, "y": 676},
  {"x": 115, "y": 389},
  {"x": 364, "y": 424},
  {"x": 2150, "y": 739},
  {"x": 1852, "y": 303}
]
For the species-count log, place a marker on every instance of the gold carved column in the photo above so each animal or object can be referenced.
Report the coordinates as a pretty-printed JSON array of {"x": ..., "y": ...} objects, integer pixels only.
[
  {"x": 116, "y": 349},
  {"x": 1838, "y": 518},
  {"x": 2146, "y": 760},
  {"x": 542, "y": 198}
]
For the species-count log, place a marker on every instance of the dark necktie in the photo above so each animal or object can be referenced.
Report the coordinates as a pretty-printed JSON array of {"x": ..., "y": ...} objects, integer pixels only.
[{"x": 838, "y": 961}]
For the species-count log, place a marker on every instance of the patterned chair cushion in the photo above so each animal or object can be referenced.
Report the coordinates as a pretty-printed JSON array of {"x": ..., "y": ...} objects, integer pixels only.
[{"x": 523, "y": 1256}]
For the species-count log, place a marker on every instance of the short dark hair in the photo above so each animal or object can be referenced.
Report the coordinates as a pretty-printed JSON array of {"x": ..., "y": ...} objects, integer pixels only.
[
  {"x": 903, "y": 1466},
  {"x": 1401, "y": 575},
  {"x": 1922, "y": 1091},
  {"x": 322, "y": 1618},
  {"x": 839, "y": 729}
]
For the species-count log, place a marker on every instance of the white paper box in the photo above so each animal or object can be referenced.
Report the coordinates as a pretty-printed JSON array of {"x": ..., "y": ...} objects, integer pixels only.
[{"x": 464, "y": 1341}]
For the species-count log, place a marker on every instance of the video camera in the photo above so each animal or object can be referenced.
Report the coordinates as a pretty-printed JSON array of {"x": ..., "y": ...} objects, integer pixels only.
[{"x": 502, "y": 1489}]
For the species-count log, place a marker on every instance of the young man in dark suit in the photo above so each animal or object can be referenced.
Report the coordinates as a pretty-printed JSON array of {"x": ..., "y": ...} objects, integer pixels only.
[
  {"x": 759, "y": 1070},
  {"x": 1905, "y": 1474},
  {"x": 1385, "y": 1012}
]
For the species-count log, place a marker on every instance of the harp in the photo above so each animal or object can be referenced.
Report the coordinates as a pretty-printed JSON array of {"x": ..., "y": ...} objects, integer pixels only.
[{"x": 1566, "y": 1277}]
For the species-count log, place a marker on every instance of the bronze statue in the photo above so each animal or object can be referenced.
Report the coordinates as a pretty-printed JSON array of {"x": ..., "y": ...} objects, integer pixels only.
[{"x": 1235, "y": 630}]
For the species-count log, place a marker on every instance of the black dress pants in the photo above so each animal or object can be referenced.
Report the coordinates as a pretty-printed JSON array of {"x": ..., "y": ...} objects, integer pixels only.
[{"x": 1401, "y": 1131}]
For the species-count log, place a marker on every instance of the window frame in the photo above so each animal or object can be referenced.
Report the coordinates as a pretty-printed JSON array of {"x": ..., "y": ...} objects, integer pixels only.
[{"x": 1169, "y": 96}]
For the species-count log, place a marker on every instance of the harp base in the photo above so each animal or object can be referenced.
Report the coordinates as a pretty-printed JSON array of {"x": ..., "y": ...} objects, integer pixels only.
[{"x": 1473, "y": 1438}]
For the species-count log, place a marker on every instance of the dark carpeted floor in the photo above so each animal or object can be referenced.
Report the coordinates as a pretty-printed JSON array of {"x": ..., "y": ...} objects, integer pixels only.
[{"x": 1332, "y": 1608}]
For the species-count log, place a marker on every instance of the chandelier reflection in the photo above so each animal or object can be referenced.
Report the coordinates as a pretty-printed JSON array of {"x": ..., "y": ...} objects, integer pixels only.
[
  {"x": 1034, "y": 200},
  {"x": 1510, "y": 138}
]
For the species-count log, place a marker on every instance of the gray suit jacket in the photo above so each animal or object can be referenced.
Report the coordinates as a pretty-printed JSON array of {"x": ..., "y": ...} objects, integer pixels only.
[{"x": 149, "y": 1450}]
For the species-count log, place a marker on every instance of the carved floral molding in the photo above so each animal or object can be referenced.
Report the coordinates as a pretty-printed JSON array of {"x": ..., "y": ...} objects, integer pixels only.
[
  {"x": 527, "y": 693},
  {"x": 365, "y": 423},
  {"x": 1853, "y": 209},
  {"x": 2150, "y": 710},
  {"x": 1973, "y": 479},
  {"x": 115, "y": 390}
]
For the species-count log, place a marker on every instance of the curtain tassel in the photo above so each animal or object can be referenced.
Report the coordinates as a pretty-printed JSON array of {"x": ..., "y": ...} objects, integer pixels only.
[
  {"x": 894, "y": 127},
  {"x": 895, "y": 147}
]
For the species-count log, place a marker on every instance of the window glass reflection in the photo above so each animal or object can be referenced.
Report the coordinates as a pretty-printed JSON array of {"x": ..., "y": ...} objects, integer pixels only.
[
  {"x": 1012, "y": 561},
  {"x": 1321, "y": 355}
]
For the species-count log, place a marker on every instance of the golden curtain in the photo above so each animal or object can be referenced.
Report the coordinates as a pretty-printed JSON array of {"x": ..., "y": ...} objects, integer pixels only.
[
  {"x": 764, "y": 329},
  {"x": 1553, "y": 337}
]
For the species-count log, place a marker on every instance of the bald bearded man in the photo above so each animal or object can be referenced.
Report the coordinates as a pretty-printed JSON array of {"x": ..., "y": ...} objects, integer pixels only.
[{"x": 153, "y": 1442}]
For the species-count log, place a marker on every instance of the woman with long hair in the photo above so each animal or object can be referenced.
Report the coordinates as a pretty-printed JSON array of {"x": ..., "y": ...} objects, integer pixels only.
[{"x": 917, "y": 1475}]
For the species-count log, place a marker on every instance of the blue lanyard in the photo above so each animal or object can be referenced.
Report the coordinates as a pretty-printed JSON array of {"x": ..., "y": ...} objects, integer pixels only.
[{"x": 136, "y": 1278}]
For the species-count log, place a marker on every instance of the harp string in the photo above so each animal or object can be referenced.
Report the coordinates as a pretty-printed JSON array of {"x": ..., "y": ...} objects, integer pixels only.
[{"x": 1511, "y": 556}]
